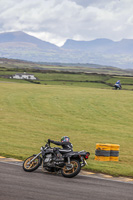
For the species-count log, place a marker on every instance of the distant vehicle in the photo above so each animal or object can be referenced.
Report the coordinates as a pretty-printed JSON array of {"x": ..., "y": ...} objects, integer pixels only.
[{"x": 117, "y": 85}]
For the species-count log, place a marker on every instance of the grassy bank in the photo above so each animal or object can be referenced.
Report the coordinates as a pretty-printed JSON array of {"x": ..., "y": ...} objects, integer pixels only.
[{"x": 30, "y": 114}]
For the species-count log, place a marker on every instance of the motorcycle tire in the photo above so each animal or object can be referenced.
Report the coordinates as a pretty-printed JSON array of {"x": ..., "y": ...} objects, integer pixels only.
[
  {"x": 72, "y": 172},
  {"x": 30, "y": 167}
]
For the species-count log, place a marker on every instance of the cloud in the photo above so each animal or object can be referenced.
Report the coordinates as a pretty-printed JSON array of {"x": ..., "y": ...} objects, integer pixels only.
[{"x": 57, "y": 20}]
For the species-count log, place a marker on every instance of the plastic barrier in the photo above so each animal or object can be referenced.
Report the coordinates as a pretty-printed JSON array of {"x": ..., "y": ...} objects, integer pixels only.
[
  {"x": 114, "y": 152},
  {"x": 107, "y": 152}
]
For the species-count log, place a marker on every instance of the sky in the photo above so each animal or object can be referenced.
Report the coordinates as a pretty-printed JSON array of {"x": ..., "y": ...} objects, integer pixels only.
[{"x": 56, "y": 21}]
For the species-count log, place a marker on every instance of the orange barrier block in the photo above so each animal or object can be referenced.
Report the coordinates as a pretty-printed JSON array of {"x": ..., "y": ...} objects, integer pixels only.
[
  {"x": 107, "y": 152},
  {"x": 114, "y": 152}
]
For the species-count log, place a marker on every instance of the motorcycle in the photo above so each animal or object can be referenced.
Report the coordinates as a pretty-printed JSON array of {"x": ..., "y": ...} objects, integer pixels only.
[
  {"x": 117, "y": 85},
  {"x": 69, "y": 165}
]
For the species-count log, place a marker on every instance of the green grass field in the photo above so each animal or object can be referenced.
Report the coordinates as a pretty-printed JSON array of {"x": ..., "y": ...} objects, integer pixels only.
[
  {"x": 31, "y": 113},
  {"x": 91, "y": 80}
]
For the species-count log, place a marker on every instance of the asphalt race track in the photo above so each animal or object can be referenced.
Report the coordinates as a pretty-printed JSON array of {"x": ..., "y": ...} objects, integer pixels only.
[{"x": 15, "y": 184}]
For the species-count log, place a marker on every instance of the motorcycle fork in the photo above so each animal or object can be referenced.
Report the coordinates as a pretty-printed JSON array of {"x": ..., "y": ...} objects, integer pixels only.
[{"x": 35, "y": 157}]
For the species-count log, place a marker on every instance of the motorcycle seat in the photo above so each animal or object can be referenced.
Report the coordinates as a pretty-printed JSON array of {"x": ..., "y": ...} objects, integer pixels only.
[{"x": 62, "y": 151}]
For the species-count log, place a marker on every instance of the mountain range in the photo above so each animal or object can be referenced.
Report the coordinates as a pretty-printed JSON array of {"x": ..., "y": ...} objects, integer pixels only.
[{"x": 102, "y": 51}]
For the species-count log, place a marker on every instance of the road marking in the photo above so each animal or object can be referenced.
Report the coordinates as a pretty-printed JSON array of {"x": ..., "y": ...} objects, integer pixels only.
[
  {"x": 87, "y": 173},
  {"x": 9, "y": 159},
  {"x": 107, "y": 176}
]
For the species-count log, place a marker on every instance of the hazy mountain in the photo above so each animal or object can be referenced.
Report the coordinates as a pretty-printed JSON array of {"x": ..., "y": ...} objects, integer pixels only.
[
  {"x": 20, "y": 37},
  {"x": 103, "y": 51},
  {"x": 101, "y": 45},
  {"x": 19, "y": 45}
]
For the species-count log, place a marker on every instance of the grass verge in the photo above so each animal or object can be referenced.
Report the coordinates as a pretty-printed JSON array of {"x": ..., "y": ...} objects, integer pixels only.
[{"x": 30, "y": 114}]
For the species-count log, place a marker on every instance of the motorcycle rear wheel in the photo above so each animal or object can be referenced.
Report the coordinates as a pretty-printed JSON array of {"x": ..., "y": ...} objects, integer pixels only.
[
  {"x": 30, "y": 167},
  {"x": 72, "y": 172}
]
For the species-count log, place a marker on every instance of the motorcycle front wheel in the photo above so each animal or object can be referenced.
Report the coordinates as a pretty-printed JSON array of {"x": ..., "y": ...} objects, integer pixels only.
[
  {"x": 31, "y": 166},
  {"x": 69, "y": 173}
]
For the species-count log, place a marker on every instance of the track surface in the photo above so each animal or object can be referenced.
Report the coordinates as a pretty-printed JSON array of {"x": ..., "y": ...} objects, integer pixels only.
[{"x": 15, "y": 184}]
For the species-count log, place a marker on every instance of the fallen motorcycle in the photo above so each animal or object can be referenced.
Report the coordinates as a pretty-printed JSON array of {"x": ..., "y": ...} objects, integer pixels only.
[{"x": 69, "y": 166}]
